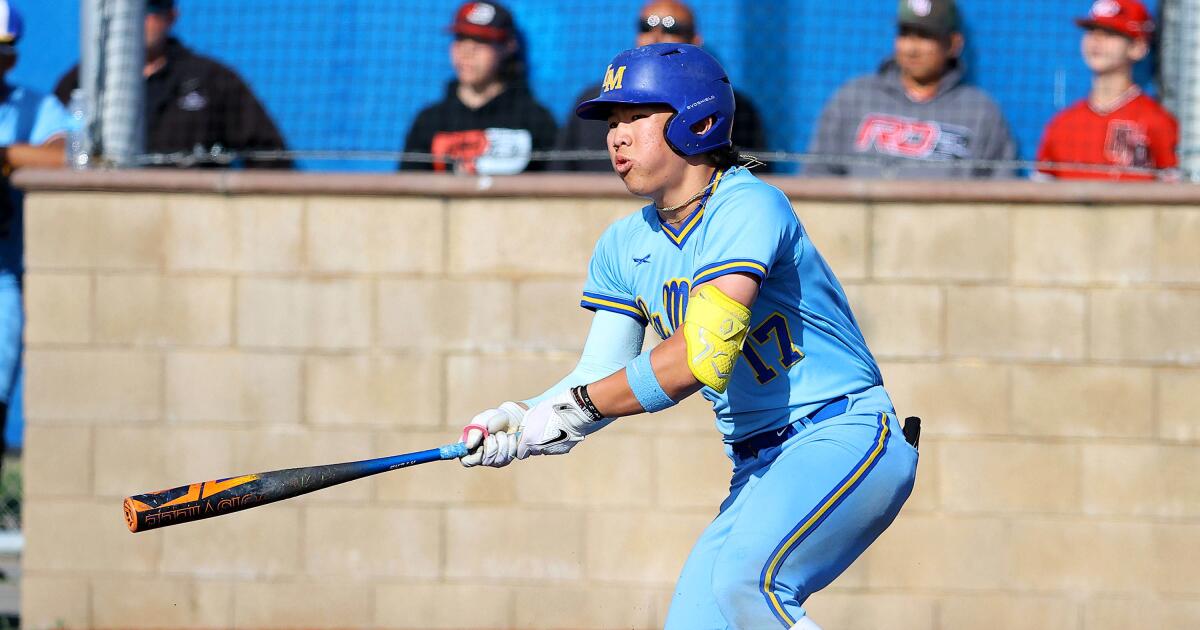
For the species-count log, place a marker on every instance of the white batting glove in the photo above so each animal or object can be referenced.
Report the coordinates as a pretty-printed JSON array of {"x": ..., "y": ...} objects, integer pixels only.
[
  {"x": 491, "y": 436},
  {"x": 554, "y": 427}
]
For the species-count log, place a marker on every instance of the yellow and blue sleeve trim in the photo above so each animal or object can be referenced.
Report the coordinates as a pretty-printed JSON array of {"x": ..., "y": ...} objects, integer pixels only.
[
  {"x": 597, "y": 302},
  {"x": 813, "y": 519},
  {"x": 718, "y": 269}
]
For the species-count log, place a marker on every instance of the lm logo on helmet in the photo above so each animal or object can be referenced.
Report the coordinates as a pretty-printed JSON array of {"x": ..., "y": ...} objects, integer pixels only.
[{"x": 612, "y": 80}]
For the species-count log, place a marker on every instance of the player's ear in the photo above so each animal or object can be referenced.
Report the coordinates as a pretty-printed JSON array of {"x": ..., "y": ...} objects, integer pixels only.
[{"x": 703, "y": 126}]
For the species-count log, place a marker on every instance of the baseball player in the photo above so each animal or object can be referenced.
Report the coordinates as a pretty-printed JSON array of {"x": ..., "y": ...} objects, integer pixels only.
[
  {"x": 1116, "y": 125},
  {"x": 753, "y": 318},
  {"x": 33, "y": 132}
]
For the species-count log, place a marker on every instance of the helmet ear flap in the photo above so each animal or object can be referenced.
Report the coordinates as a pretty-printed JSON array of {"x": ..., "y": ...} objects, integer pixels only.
[
  {"x": 668, "y": 130},
  {"x": 688, "y": 140}
]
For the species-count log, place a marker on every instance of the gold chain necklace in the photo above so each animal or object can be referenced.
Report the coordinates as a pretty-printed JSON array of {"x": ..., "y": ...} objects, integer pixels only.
[{"x": 686, "y": 203}]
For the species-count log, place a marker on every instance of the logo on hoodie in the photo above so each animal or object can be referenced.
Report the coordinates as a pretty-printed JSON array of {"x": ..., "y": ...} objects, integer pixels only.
[{"x": 912, "y": 138}]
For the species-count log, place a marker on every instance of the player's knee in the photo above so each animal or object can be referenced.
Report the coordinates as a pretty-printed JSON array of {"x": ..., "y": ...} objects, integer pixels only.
[
  {"x": 733, "y": 588},
  {"x": 737, "y": 590}
]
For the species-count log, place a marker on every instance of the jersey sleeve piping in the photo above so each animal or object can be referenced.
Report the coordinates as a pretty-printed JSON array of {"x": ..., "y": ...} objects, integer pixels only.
[
  {"x": 598, "y": 302},
  {"x": 711, "y": 272}
]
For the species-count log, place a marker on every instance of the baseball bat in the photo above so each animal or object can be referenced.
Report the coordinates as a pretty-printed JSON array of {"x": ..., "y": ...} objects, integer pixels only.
[{"x": 224, "y": 496}]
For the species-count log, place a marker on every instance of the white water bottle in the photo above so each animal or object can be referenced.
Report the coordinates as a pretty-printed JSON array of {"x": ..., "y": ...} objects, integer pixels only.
[{"x": 78, "y": 147}]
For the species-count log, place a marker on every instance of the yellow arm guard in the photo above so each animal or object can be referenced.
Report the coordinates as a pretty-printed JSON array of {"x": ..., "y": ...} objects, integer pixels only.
[{"x": 714, "y": 326}]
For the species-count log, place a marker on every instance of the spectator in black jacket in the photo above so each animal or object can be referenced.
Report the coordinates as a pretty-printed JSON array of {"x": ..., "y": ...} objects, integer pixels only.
[
  {"x": 194, "y": 105},
  {"x": 488, "y": 122},
  {"x": 661, "y": 21}
]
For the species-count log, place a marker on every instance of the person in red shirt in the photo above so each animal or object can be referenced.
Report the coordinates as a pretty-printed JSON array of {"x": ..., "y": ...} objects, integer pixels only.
[{"x": 1117, "y": 127}]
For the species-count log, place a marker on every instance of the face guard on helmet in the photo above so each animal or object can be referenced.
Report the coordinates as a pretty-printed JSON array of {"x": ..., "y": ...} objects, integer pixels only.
[{"x": 680, "y": 76}]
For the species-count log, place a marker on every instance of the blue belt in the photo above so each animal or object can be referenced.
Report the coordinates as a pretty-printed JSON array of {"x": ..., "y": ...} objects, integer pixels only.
[{"x": 750, "y": 447}]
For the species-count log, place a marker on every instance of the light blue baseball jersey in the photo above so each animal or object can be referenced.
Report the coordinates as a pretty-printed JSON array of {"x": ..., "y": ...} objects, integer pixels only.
[
  {"x": 804, "y": 348},
  {"x": 26, "y": 117}
]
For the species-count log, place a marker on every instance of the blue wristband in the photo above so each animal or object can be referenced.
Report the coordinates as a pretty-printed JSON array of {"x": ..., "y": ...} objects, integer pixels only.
[{"x": 645, "y": 385}]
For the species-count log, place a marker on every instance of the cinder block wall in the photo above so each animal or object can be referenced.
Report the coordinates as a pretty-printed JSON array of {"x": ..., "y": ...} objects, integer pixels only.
[{"x": 1054, "y": 352}]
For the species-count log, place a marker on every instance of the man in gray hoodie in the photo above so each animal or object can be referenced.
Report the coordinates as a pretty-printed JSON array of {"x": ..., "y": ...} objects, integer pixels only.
[{"x": 914, "y": 118}]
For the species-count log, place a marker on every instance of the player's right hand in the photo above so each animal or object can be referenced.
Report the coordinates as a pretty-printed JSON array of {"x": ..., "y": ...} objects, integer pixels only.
[{"x": 491, "y": 436}]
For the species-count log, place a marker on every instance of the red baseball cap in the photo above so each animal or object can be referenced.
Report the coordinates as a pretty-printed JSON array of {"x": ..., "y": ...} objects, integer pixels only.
[
  {"x": 1127, "y": 17},
  {"x": 488, "y": 21}
]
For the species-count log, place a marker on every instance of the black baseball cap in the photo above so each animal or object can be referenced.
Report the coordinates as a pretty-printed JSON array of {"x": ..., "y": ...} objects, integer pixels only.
[
  {"x": 159, "y": 6},
  {"x": 935, "y": 17}
]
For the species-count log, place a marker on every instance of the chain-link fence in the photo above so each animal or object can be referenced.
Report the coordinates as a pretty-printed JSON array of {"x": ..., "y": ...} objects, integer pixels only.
[
  {"x": 11, "y": 540},
  {"x": 10, "y": 494},
  {"x": 879, "y": 89},
  {"x": 1180, "y": 54}
]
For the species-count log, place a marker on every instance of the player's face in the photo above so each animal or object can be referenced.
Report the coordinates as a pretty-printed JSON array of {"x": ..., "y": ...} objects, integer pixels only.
[
  {"x": 476, "y": 63},
  {"x": 921, "y": 57},
  {"x": 662, "y": 36},
  {"x": 639, "y": 151},
  {"x": 1105, "y": 51}
]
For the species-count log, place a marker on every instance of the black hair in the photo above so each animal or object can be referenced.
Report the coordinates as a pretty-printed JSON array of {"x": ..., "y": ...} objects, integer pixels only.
[
  {"x": 725, "y": 157},
  {"x": 514, "y": 69}
]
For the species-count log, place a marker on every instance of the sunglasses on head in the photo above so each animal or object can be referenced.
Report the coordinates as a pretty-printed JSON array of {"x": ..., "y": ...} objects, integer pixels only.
[{"x": 667, "y": 23}]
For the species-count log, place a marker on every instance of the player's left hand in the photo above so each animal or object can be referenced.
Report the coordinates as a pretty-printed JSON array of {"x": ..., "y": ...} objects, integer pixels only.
[
  {"x": 491, "y": 436},
  {"x": 552, "y": 427}
]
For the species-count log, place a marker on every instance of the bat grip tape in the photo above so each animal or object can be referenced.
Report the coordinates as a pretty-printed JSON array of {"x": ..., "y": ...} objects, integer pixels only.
[{"x": 452, "y": 451}]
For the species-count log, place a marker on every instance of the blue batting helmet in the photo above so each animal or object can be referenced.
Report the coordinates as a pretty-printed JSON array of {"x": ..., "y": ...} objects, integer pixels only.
[{"x": 680, "y": 76}]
